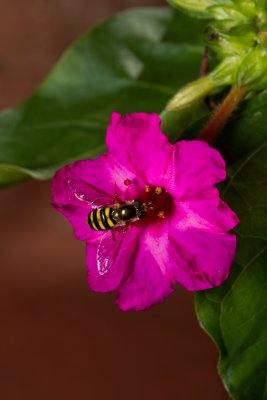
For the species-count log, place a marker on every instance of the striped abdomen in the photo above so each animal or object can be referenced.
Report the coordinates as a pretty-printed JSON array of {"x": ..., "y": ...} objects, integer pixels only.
[{"x": 101, "y": 219}]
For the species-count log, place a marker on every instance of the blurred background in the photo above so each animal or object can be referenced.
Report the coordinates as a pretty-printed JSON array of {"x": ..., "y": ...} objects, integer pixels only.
[{"x": 58, "y": 340}]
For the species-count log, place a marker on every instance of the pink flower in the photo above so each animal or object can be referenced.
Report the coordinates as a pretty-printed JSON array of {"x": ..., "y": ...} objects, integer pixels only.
[{"x": 182, "y": 236}]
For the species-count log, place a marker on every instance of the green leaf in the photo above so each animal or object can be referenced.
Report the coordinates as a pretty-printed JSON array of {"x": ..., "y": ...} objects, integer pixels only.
[
  {"x": 235, "y": 314},
  {"x": 134, "y": 62}
]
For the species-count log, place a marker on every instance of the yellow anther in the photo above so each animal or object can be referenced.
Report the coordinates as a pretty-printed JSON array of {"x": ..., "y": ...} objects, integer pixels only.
[
  {"x": 158, "y": 190},
  {"x": 148, "y": 188},
  {"x": 161, "y": 214},
  {"x": 145, "y": 207}
]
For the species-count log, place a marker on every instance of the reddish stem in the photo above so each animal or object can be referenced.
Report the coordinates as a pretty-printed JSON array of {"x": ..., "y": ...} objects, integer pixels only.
[{"x": 221, "y": 115}]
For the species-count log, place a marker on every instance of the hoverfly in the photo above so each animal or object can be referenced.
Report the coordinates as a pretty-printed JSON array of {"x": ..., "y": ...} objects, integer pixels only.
[{"x": 110, "y": 215}]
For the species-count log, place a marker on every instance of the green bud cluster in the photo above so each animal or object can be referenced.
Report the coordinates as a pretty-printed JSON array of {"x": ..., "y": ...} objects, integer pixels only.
[{"x": 236, "y": 36}]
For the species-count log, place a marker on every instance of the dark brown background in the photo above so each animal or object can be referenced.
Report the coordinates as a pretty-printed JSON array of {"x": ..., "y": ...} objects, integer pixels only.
[{"x": 59, "y": 340}]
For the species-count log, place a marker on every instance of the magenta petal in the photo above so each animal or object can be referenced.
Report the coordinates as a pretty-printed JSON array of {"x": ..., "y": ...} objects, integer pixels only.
[
  {"x": 195, "y": 167},
  {"x": 103, "y": 173},
  {"x": 95, "y": 172},
  {"x": 214, "y": 212},
  {"x": 77, "y": 216},
  {"x": 182, "y": 239},
  {"x": 200, "y": 260},
  {"x": 136, "y": 142},
  {"x": 64, "y": 202},
  {"x": 112, "y": 279},
  {"x": 147, "y": 283}
]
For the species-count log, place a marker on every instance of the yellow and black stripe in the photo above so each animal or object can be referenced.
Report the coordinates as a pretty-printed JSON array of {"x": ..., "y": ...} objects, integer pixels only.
[{"x": 101, "y": 219}]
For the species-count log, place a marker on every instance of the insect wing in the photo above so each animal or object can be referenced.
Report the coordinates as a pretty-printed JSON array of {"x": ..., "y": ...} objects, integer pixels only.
[
  {"x": 89, "y": 194},
  {"x": 109, "y": 248}
]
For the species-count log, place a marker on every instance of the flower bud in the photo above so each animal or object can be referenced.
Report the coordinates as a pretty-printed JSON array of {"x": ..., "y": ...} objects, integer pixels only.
[
  {"x": 196, "y": 7},
  {"x": 247, "y": 8},
  {"x": 227, "y": 12},
  {"x": 191, "y": 93},
  {"x": 253, "y": 67},
  {"x": 260, "y": 3},
  {"x": 224, "y": 72},
  {"x": 237, "y": 36},
  {"x": 225, "y": 44}
]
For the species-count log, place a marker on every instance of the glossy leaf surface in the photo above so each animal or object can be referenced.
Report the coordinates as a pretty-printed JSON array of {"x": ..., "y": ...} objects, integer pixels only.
[{"x": 134, "y": 62}]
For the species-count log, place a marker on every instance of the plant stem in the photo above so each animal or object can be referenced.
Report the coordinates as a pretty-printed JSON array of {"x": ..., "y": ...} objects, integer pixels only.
[{"x": 221, "y": 115}]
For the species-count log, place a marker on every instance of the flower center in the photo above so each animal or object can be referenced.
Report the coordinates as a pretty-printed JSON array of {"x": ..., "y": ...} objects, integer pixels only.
[{"x": 157, "y": 202}]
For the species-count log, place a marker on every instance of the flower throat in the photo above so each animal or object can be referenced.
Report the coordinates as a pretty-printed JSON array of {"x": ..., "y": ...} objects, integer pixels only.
[{"x": 157, "y": 203}]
